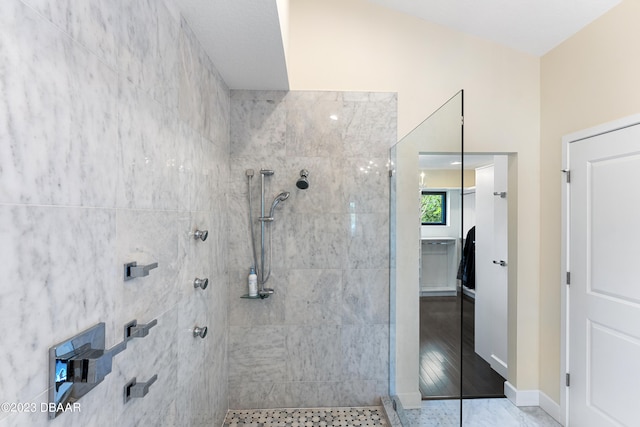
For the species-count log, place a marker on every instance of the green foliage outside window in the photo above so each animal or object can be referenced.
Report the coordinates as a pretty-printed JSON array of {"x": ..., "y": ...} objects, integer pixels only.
[{"x": 433, "y": 208}]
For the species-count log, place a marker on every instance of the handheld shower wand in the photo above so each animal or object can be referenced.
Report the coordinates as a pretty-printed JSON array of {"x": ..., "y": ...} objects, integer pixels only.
[{"x": 279, "y": 198}]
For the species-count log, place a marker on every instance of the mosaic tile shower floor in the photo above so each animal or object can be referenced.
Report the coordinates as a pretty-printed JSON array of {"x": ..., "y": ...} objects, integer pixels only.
[{"x": 312, "y": 417}]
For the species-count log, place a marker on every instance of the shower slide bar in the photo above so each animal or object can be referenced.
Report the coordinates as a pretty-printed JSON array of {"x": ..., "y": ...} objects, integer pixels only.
[{"x": 263, "y": 269}]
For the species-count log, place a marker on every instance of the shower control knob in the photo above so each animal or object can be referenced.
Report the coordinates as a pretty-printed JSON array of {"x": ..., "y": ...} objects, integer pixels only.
[
  {"x": 201, "y": 283},
  {"x": 200, "y": 332},
  {"x": 201, "y": 234}
]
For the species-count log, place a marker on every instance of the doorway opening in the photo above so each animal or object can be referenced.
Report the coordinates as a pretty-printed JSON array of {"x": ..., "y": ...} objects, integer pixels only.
[{"x": 463, "y": 309}]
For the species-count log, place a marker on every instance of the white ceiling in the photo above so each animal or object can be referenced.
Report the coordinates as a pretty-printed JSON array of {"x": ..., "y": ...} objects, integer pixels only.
[
  {"x": 243, "y": 37},
  {"x": 446, "y": 161},
  {"x": 532, "y": 26}
]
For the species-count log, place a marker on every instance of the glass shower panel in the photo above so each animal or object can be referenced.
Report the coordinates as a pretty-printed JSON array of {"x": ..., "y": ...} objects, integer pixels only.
[{"x": 425, "y": 304}]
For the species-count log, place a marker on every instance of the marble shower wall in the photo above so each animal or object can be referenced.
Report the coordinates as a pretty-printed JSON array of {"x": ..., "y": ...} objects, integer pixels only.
[
  {"x": 322, "y": 338},
  {"x": 114, "y": 147}
]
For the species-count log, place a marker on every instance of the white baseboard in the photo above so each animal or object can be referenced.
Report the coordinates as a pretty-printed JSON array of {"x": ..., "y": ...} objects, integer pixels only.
[
  {"x": 550, "y": 407},
  {"x": 533, "y": 398},
  {"x": 499, "y": 366},
  {"x": 438, "y": 292},
  {"x": 410, "y": 400},
  {"x": 521, "y": 397}
]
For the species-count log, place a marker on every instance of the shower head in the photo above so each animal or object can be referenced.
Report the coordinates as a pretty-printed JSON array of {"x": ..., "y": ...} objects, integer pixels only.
[
  {"x": 303, "y": 182},
  {"x": 279, "y": 198}
]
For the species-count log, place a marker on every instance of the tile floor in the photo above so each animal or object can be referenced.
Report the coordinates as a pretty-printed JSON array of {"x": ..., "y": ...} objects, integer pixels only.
[
  {"x": 477, "y": 413},
  {"x": 311, "y": 417},
  {"x": 434, "y": 413}
]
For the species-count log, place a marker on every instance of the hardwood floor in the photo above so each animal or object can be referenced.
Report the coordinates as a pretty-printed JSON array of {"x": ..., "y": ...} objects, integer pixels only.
[{"x": 440, "y": 344}]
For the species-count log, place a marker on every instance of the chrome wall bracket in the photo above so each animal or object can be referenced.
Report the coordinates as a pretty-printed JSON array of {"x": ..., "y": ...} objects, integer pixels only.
[
  {"x": 135, "y": 330},
  {"x": 134, "y": 389},
  {"x": 133, "y": 270},
  {"x": 502, "y": 194},
  {"x": 77, "y": 365}
]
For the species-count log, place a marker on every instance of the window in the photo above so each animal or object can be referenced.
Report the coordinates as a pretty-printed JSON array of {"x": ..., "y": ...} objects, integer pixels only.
[{"x": 433, "y": 208}]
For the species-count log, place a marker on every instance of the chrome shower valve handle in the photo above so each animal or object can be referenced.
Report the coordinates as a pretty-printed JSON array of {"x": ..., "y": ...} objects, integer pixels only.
[
  {"x": 133, "y": 270},
  {"x": 134, "y": 389}
]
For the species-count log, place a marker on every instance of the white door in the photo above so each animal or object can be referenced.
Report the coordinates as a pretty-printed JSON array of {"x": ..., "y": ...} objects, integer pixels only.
[
  {"x": 484, "y": 266},
  {"x": 500, "y": 265},
  {"x": 492, "y": 264},
  {"x": 604, "y": 293}
]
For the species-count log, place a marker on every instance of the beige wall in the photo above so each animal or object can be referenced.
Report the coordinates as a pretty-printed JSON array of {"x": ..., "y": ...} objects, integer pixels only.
[
  {"x": 590, "y": 79},
  {"x": 351, "y": 45}
]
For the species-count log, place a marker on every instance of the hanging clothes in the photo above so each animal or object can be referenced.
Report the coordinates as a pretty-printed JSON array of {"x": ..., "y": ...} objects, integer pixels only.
[{"x": 467, "y": 268}]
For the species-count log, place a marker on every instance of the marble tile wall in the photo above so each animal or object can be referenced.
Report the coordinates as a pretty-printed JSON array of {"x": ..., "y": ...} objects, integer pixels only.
[
  {"x": 114, "y": 147},
  {"x": 322, "y": 338}
]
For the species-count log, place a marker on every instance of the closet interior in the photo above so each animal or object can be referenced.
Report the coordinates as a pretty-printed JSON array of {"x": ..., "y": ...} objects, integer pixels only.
[{"x": 462, "y": 311}]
